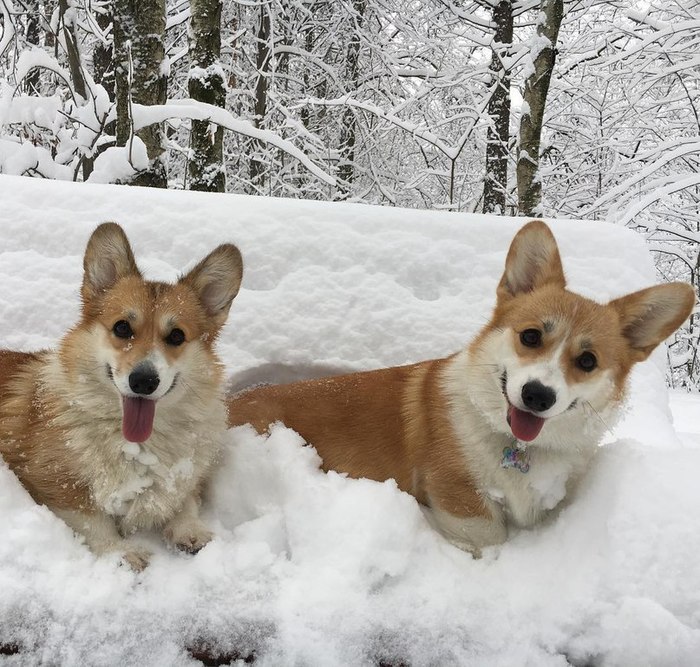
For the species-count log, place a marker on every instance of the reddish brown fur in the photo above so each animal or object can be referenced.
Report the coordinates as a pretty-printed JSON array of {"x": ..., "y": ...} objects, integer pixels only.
[
  {"x": 395, "y": 423},
  {"x": 597, "y": 326},
  {"x": 375, "y": 425},
  {"x": 129, "y": 300},
  {"x": 29, "y": 442}
]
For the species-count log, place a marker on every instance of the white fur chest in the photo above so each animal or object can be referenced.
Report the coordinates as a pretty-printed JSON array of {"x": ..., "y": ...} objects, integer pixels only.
[
  {"x": 527, "y": 496},
  {"x": 144, "y": 485},
  {"x": 557, "y": 459}
]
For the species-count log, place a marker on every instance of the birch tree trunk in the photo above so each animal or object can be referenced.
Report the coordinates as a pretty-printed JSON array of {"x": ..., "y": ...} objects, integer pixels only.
[
  {"x": 141, "y": 78},
  {"x": 498, "y": 133},
  {"x": 205, "y": 166},
  {"x": 534, "y": 100}
]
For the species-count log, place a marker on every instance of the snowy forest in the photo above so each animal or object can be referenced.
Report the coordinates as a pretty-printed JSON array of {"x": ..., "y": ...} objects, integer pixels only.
[{"x": 581, "y": 109}]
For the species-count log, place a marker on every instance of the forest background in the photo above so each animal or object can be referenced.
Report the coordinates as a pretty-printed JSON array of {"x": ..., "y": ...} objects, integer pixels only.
[{"x": 580, "y": 109}]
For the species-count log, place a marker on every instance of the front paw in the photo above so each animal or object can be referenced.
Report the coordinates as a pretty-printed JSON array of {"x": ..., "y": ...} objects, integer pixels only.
[
  {"x": 136, "y": 558},
  {"x": 189, "y": 536}
]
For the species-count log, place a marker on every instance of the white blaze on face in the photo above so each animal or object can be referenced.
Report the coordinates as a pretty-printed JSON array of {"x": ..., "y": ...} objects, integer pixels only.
[
  {"x": 166, "y": 373},
  {"x": 547, "y": 370},
  {"x": 138, "y": 410}
]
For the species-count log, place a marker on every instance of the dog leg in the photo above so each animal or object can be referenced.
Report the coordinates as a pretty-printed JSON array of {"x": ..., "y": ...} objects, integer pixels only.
[
  {"x": 101, "y": 536},
  {"x": 186, "y": 530},
  {"x": 470, "y": 534}
]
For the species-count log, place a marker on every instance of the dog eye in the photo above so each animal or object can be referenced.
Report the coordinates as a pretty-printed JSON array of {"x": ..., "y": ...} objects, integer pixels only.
[
  {"x": 586, "y": 361},
  {"x": 175, "y": 337},
  {"x": 122, "y": 329},
  {"x": 531, "y": 338}
]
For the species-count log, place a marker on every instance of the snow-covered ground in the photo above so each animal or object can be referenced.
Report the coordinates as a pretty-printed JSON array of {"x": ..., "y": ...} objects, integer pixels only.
[{"x": 315, "y": 569}]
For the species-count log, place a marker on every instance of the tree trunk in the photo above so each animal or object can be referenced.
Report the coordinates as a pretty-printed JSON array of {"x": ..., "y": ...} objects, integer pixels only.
[
  {"x": 257, "y": 165},
  {"x": 534, "y": 99},
  {"x": 206, "y": 84},
  {"x": 498, "y": 133},
  {"x": 139, "y": 54},
  {"x": 348, "y": 127},
  {"x": 32, "y": 82},
  {"x": 75, "y": 66},
  {"x": 102, "y": 54}
]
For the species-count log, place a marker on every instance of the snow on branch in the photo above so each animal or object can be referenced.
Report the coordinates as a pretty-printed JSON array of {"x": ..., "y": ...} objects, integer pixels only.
[
  {"x": 685, "y": 148},
  {"x": 8, "y": 26},
  {"x": 30, "y": 59},
  {"x": 194, "y": 110},
  {"x": 414, "y": 129},
  {"x": 675, "y": 186}
]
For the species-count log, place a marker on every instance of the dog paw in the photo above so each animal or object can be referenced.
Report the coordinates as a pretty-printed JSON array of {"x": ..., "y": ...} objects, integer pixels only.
[
  {"x": 190, "y": 536},
  {"x": 136, "y": 558}
]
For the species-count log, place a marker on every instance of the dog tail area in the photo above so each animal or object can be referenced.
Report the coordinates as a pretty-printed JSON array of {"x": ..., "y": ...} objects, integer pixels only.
[{"x": 279, "y": 373}]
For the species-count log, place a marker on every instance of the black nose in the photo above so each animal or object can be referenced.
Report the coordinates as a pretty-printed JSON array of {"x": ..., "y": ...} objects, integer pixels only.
[
  {"x": 537, "y": 397},
  {"x": 144, "y": 379}
]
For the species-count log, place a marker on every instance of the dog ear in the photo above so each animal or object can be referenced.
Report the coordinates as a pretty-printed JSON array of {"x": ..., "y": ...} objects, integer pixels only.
[
  {"x": 216, "y": 280},
  {"x": 108, "y": 257},
  {"x": 650, "y": 316},
  {"x": 533, "y": 261}
]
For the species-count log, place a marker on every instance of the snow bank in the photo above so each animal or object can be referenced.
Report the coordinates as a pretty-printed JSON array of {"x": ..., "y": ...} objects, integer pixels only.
[{"x": 315, "y": 569}]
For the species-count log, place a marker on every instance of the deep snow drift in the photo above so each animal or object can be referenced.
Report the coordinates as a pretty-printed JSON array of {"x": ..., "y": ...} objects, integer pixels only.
[{"x": 316, "y": 569}]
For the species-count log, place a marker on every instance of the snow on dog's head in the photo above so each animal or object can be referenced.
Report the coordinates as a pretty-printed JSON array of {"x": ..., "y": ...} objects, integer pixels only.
[
  {"x": 557, "y": 355},
  {"x": 146, "y": 341}
]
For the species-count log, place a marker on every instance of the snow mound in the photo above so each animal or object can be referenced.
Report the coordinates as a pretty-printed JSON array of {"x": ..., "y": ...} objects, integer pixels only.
[{"x": 309, "y": 568}]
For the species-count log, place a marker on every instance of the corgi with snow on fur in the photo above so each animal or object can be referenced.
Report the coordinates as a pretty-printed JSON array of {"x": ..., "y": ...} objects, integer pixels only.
[
  {"x": 497, "y": 434},
  {"x": 117, "y": 429}
]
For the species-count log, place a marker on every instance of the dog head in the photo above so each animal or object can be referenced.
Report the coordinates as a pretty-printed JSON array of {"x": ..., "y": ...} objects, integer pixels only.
[
  {"x": 149, "y": 341},
  {"x": 554, "y": 352}
]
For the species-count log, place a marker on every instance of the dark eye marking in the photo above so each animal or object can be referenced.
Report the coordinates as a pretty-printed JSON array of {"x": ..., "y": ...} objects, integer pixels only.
[
  {"x": 175, "y": 337},
  {"x": 122, "y": 329},
  {"x": 586, "y": 361},
  {"x": 531, "y": 337}
]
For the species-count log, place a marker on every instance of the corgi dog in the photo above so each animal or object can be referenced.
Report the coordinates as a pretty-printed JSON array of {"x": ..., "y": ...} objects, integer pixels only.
[
  {"x": 117, "y": 429},
  {"x": 495, "y": 435}
]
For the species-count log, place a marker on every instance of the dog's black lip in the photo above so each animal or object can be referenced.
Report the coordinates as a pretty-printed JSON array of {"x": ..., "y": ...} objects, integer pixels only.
[
  {"x": 110, "y": 373},
  {"x": 574, "y": 403}
]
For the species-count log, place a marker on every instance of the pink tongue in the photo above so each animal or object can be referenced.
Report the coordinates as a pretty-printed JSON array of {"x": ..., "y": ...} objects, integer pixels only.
[
  {"x": 137, "y": 418},
  {"x": 525, "y": 425}
]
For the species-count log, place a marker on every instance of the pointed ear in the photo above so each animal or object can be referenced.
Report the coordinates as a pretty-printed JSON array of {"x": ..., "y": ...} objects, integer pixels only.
[
  {"x": 649, "y": 316},
  {"x": 532, "y": 262},
  {"x": 216, "y": 280},
  {"x": 108, "y": 258}
]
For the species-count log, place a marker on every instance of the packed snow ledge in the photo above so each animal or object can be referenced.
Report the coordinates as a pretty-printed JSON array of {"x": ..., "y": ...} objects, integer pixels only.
[{"x": 315, "y": 569}]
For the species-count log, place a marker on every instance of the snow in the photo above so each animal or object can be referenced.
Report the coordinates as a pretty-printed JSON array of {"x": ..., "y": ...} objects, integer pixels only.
[
  {"x": 188, "y": 108},
  {"x": 120, "y": 162},
  {"x": 309, "y": 568}
]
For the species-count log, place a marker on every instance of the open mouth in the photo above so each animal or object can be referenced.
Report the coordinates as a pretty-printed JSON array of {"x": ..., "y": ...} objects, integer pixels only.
[
  {"x": 524, "y": 425},
  {"x": 138, "y": 412},
  {"x": 137, "y": 418}
]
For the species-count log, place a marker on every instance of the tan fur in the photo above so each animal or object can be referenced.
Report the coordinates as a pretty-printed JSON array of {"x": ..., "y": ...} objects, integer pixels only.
[
  {"x": 61, "y": 411},
  {"x": 439, "y": 427},
  {"x": 359, "y": 433}
]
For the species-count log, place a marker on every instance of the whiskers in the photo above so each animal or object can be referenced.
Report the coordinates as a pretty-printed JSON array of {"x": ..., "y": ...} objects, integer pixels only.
[
  {"x": 492, "y": 369},
  {"x": 190, "y": 389},
  {"x": 587, "y": 406}
]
